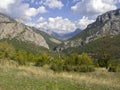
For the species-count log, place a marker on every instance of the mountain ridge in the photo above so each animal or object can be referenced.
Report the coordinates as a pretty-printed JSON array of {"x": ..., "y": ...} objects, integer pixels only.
[
  {"x": 109, "y": 26},
  {"x": 10, "y": 29}
]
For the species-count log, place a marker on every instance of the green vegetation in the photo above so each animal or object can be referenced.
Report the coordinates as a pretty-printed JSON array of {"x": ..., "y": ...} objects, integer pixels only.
[
  {"x": 104, "y": 51},
  {"x": 79, "y": 63},
  {"x": 23, "y": 67},
  {"x": 32, "y": 78},
  {"x": 26, "y": 46},
  {"x": 74, "y": 62},
  {"x": 110, "y": 45}
]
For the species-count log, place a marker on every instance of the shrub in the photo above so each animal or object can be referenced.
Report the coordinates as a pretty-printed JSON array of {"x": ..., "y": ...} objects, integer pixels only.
[
  {"x": 104, "y": 60},
  {"x": 69, "y": 68},
  {"x": 84, "y": 59},
  {"x": 79, "y": 63},
  {"x": 114, "y": 68},
  {"x": 42, "y": 60},
  {"x": 84, "y": 68},
  {"x": 57, "y": 65}
]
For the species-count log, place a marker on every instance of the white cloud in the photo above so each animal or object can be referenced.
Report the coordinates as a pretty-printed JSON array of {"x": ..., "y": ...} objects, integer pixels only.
[
  {"x": 94, "y": 7},
  {"x": 41, "y": 19},
  {"x": 53, "y": 3},
  {"x": 18, "y": 9},
  {"x": 33, "y": 11},
  {"x": 59, "y": 23},
  {"x": 4, "y": 4},
  {"x": 83, "y": 23}
]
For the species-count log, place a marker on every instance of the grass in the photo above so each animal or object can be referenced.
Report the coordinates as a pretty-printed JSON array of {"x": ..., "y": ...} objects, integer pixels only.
[{"x": 34, "y": 78}]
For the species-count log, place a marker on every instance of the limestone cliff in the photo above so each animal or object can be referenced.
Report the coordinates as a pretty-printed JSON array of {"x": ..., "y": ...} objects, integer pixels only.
[
  {"x": 11, "y": 28},
  {"x": 105, "y": 25}
]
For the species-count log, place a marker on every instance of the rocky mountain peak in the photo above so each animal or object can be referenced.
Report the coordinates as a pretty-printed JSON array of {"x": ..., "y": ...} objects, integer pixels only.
[
  {"x": 115, "y": 14},
  {"x": 106, "y": 24},
  {"x": 4, "y": 18}
]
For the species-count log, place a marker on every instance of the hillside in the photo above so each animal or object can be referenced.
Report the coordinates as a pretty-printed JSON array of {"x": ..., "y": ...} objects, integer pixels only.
[
  {"x": 105, "y": 25},
  {"x": 26, "y": 46},
  {"x": 50, "y": 40},
  {"x": 12, "y": 29},
  {"x": 109, "y": 45}
]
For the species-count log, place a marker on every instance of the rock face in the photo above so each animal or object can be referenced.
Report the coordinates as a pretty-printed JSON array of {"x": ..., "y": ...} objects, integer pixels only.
[
  {"x": 105, "y": 25},
  {"x": 10, "y": 28}
]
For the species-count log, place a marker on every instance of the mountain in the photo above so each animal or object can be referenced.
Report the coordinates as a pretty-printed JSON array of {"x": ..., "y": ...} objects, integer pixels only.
[
  {"x": 105, "y": 25},
  {"x": 51, "y": 41},
  {"x": 14, "y": 29},
  {"x": 109, "y": 45},
  {"x": 65, "y": 36},
  {"x": 61, "y": 35}
]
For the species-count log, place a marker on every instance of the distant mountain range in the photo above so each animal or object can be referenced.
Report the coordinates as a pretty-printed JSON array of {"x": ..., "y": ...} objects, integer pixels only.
[
  {"x": 65, "y": 36},
  {"x": 61, "y": 36}
]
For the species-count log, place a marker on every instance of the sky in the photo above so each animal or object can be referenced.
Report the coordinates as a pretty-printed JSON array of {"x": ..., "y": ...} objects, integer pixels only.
[{"x": 61, "y": 16}]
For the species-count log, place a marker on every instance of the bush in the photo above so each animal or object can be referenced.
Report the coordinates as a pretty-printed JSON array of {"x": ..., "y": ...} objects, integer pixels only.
[
  {"x": 42, "y": 60},
  {"x": 84, "y": 59},
  {"x": 79, "y": 63},
  {"x": 57, "y": 65},
  {"x": 69, "y": 68},
  {"x": 114, "y": 68},
  {"x": 75, "y": 59},
  {"x": 104, "y": 60},
  {"x": 84, "y": 68}
]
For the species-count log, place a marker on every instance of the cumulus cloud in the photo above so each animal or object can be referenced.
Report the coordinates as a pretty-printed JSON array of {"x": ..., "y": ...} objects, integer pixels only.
[
  {"x": 94, "y": 7},
  {"x": 53, "y": 3},
  {"x": 41, "y": 19},
  {"x": 33, "y": 11},
  {"x": 83, "y": 22},
  {"x": 5, "y": 4},
  {"x": 18, "y": 9},
  {"x": 57, "y": 24},
  {"x": 61, "y": 25}
]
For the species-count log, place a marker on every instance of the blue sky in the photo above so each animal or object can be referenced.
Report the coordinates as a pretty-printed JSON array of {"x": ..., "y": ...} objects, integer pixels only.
[
  {"x": 57, "y": 15},
  {"x": 64, "y": 12}
]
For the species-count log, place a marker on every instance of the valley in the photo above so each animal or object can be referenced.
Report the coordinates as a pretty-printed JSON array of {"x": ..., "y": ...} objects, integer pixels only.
[{"x": 35, "y": 59}]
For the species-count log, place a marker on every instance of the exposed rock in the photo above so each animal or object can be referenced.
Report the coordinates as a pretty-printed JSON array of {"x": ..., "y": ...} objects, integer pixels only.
[
  {"x": 105, "y": 25},
  {"x": 10, "y": 28}
]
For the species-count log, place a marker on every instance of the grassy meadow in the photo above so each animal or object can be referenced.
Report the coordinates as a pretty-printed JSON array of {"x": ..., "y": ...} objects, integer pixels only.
[{"x": 15, "y": 77}]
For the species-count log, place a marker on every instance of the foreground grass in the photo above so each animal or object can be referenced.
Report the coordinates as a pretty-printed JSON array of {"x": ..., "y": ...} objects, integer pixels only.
[{"x": 33, "y": 78}]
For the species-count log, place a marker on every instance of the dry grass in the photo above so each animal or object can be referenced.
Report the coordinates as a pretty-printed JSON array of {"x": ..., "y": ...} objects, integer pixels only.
[{"x": 101, "y": 79}]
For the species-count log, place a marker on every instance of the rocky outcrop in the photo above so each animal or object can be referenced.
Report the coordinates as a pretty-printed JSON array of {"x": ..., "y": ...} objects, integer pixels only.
[
  {"x": 111, "y": 15},
  {"x": 105, "y": 25},
  {"x": 10, "y": 28}
]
